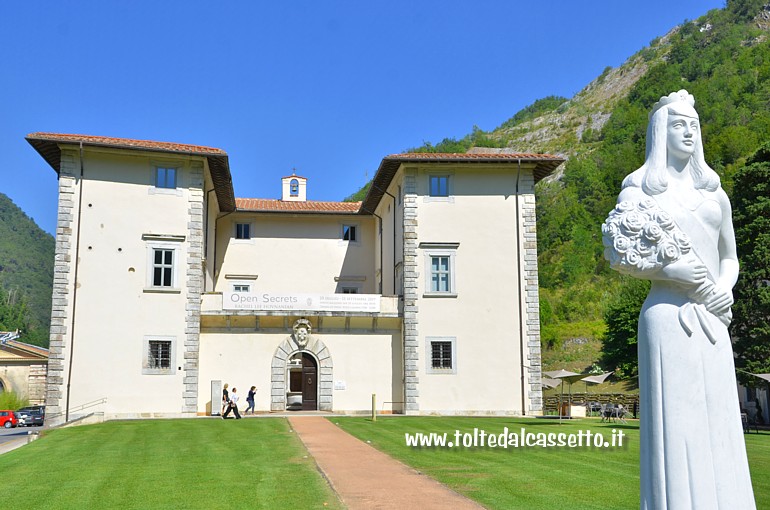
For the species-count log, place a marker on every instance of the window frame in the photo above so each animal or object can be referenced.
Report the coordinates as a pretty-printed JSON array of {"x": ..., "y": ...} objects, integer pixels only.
[
  {"x": 147, "y": 369},
  {"x": 236, "y": 232},
  {"x": 166, "y": 282},
  {"x": 442, "y": 181},
  {"x": 429, "y": 368},
  {"x": 162, "y": 164},
  {"x": 165, "y": 169},
  {"x": 174, "y": 246},
  {"x": 356, "y": 231},
  {"x": 235, "y": 286},
  {"x": 440, "y": 250},
  {"x": 449, "y": 175}
]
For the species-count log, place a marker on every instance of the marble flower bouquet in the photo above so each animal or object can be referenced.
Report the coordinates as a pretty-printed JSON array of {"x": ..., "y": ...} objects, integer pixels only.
[{"x": 640, "y": 238}]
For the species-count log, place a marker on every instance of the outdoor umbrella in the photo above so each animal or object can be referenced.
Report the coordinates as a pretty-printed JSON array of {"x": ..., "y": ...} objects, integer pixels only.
[
  {"x": 547, "y": 382},
  {"x": 568, "y": 376},
  {"x": 595, "y": 379}
]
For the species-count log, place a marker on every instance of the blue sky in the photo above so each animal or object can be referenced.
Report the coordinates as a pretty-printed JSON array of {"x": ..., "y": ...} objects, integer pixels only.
[{"x": 327, "y": 87}]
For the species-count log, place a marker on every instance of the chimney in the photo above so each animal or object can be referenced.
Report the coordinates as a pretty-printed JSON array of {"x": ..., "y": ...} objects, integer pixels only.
[{"x": 294, "y": 188}]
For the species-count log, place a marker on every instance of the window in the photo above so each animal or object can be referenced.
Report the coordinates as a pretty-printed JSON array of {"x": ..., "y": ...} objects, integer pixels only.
[
  {"x": 241, "y": 288},
  {"x": 294, "y": 188},
  {"x": 440, "y": 274},
  {"x": 165, "y": 177},
  {"x": 440, "y": 269},
  {"x": 163, "y": 256},
  {"x": 243, "y": 231},
  {"x": 163, "y": 267},
  {"x": 349, "y": 233},
  {"x": 349, "y": 290},
  {"x": 159, "y": 356},
  {"x": 400, "y": 195},
  {"x": 441, "y": 355},
  {"x": 439, "y": 186}
]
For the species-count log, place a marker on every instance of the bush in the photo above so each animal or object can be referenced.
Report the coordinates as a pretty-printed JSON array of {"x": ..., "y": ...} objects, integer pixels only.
[{"x": 12, "y": 401}]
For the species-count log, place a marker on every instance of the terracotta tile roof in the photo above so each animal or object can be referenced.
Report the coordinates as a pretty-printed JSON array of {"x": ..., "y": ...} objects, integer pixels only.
[
  {"x": 47, "y": 145},
  {"x": 485, "y": 157},
  {"x": 127, "y": 143},
  {"x": 280, "y": 206},
  {"x": 545, "y": 164}
]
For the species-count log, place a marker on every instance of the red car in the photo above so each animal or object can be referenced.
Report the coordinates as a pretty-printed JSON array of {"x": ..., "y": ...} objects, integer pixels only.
[{"x": 8, "y": 419}]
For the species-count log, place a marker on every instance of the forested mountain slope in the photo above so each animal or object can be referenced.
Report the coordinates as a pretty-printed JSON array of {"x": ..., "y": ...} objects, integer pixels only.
[{"x": 26, "y": 274}]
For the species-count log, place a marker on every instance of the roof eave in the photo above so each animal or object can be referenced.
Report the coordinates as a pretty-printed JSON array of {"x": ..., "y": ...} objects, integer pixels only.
[
  {"x": 219, "y": 165},
  {"x": 299, "y": 211},
  {"x": 544, "y": 166}
]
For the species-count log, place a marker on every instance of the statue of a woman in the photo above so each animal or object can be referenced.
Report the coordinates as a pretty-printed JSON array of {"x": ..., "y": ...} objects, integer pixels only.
[{"x": 673, "y": 226}]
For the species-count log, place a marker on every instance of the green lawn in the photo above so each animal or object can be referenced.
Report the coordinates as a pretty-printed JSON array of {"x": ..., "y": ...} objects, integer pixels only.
[
  {"x": 534, "y": 478},
  {"x": 173, "y": 464}
]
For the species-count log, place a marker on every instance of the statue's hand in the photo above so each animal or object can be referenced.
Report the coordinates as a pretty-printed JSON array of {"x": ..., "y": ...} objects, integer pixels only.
[
  {"x": 719, "y": 300},
  {"x": 686, "y": 272}
]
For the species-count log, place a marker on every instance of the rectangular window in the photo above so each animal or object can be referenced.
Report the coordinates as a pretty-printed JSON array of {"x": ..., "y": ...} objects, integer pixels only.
[
  {"x": 349, "y": 290},
  {"x": 159, "y": 356},
  {"x": 241, "y": 288},
  {"x": 243, "y": 231},
  {"x": 349, "y": 233},
  {"x": 440, "y": 269},
  {"x": 441, "y": 355},
  {"x": 439, "y": 185},
  {"x": 162, "y": 267},
  {"x": 440, "y": 274},
  {"x": 165, "y": 178}
]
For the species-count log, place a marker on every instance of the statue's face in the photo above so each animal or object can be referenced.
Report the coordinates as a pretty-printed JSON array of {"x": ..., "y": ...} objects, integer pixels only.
[
  {"x": 683, "y": 132},
  {"x": 302, "y": 333}
]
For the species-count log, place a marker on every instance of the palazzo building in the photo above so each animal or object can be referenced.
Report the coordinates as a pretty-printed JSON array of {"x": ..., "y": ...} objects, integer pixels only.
[{"x": 167, "y": 286}]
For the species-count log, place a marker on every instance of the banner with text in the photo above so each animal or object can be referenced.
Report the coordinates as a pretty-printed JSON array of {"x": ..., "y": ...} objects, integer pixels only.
[{"x": 309, "y": 302}]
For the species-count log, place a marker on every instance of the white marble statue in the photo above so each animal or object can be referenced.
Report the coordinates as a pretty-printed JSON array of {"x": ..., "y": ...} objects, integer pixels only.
[{"x": 673, "y": 226}]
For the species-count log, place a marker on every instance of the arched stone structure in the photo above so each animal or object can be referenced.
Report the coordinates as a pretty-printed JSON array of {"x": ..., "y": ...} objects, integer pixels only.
[{"x": 286, "y": 350}]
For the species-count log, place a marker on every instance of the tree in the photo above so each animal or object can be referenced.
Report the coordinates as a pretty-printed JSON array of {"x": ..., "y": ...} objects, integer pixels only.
[
  {"x": 622, "y": 318},
  {"x": 15, "y": 315},
  {"x": 751, "y": 218}
]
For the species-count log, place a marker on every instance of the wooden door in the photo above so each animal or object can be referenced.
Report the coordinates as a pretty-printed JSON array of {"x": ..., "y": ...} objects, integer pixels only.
[{"x": 309, "y": 383}]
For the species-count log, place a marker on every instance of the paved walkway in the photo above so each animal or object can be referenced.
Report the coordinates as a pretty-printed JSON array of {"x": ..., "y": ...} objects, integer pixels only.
[{"x": 365, "y": 478}]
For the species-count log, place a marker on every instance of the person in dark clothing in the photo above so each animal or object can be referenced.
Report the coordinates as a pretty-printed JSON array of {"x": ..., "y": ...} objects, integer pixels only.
[
  {"x": 250, "y": 400},
  {"x": 225, "y": 400},
  {"x": 233, "y": 406}
]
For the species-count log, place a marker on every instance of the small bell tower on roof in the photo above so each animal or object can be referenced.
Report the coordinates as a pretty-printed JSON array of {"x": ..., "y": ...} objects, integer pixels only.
[{"x": 294, "y": 188}]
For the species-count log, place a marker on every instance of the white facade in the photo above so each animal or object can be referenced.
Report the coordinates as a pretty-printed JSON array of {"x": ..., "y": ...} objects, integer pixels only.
[{"x": 153, "y": 249}]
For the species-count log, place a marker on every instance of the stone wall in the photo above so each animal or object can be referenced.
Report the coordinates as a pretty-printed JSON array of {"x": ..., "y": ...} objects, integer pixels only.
[
  {"x": 62, "y": 285},
  {"x": 411, "y": 341},
  {"x": 194, "y": 288}
]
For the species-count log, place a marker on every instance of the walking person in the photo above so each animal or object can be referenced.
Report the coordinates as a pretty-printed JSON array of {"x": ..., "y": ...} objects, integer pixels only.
[
  {"x": 233, "y": 406},
  {"x": 225, "y": 400},
  {"x": 250, "y": 400}
]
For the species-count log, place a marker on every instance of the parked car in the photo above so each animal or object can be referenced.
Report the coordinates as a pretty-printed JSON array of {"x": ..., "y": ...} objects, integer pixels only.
[
  {"x": 8, "y": 419},
  {"x": 32, "y": 415}
]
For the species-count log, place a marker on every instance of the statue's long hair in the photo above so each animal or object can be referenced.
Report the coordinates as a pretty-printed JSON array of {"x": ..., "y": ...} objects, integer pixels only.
[{"x": 652, "y": 176}]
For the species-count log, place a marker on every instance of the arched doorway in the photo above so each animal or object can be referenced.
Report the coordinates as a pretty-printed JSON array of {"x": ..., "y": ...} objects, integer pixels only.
[
  {"x": 281, "y": 374},
  {"x": 303, "y": 381}
]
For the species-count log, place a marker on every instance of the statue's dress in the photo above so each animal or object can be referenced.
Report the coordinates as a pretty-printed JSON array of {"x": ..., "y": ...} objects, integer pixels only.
[{"x": 692, "y": 447}]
